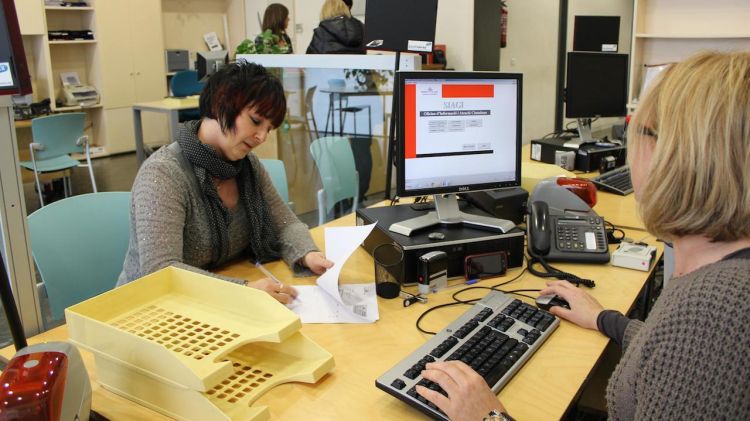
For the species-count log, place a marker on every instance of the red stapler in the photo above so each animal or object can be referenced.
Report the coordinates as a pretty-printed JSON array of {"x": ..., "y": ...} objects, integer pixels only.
[{"x": 45, "y": 382}]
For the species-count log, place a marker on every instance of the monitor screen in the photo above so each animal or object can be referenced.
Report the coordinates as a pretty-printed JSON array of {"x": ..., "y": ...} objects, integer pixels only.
[
  {"x": 596, "y": 33},
  {"x": 597, "y": 85},
  {"x": 208, "y": 62},
  {"x": 458, "y": 132},
  {"x": 411, "y": 29}
]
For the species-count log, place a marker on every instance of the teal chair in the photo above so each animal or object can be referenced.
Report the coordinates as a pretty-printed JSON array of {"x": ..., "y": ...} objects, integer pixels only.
[
  {"x": 79, "y": 246},
  {"x": 277, "y": 172},
  {"x": 335, "y": 162},
  {"x": 55, "y": 137},
  {"x": 185, "y": 83}
]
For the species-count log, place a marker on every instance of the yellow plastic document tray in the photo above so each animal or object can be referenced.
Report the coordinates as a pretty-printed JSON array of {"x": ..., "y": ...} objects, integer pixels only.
[{"x": 193, "y": 346}]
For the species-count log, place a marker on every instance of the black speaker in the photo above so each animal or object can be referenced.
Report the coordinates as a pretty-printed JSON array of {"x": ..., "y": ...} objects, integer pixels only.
[{"x": 596, "y": 33}]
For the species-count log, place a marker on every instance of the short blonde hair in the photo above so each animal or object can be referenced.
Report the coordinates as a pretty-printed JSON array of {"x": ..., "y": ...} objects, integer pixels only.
[
  {"x": 698, "y": 180},
  {"x": 333, "y": 8}
]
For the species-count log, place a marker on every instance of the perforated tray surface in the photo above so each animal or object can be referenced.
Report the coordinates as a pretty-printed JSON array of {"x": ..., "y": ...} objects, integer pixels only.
[{"x": 194, "y": 347}]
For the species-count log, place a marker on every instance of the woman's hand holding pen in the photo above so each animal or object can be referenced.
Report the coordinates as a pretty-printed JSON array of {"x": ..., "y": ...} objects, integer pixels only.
[
  {"x": 284, "y": 294},
  {"x": 317, "y": 262}
]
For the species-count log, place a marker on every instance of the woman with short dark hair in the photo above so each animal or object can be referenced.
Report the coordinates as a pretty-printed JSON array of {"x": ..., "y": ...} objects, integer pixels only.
[{"x": 206, "y": 200}]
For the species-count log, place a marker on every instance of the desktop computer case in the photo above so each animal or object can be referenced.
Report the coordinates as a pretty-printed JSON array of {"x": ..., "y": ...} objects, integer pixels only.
[
  {"x": 458, "y": 243},
  {"x": 588, "y": 157}
]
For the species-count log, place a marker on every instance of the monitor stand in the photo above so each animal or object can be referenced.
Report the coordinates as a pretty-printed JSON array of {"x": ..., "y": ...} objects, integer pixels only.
[
  {"x": 447, "y": 212},
  {"x": 584, "y": 134}
]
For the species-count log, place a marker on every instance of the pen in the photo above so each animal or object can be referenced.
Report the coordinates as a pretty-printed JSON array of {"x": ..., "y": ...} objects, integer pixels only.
[
  {"x": 266, "y": 272},
  {"x": 472, "y": 281}
]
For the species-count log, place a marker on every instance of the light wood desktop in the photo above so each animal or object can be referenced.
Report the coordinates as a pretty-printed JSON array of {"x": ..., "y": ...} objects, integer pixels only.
[
  {"x": 169, "y": 106},
  {"x": 622, "y": 211},
  {"x": 544, "y": 388}
]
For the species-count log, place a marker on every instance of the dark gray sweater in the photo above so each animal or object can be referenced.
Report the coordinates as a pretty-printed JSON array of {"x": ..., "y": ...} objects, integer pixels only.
[
  {"x": 169, "y": 224},
  {"x": 689, "y": 359}
]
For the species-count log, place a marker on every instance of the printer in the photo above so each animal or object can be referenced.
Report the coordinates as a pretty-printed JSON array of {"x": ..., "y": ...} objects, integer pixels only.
[{"x": 75, "y": 93}]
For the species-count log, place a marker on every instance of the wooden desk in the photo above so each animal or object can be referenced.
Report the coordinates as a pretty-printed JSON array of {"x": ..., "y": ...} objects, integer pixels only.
[
  {"x": 169, "y": 106},
  {"x": 619, "y": 210},
  {"x": 543, "y": 389}
]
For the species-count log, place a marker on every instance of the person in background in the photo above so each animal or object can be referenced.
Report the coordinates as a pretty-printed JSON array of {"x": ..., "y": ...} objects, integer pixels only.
[
  {"x": 276, "y": 19},
  {"x": 350, "y": 4},
  {"x": 206, "y": 200},
  {"x": 689, "y": 145},
  {"x": 337, "y": 32}
]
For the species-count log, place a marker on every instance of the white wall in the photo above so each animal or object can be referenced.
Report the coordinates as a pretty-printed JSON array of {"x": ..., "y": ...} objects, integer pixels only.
[
  {"x": 532, "y": 50},
  {"x": 455, "y": 29}
]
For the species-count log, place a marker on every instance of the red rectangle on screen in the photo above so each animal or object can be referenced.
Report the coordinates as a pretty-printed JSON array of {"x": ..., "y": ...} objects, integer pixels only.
[
  {"x": 468, "y": 91},
  {"x": 410, "y": 121}
]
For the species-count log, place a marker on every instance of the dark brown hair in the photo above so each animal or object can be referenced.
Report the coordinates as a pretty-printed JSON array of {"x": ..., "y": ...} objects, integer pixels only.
[
  {"x": 274, "y": 18},
  {"x": 240, "y": 85}
]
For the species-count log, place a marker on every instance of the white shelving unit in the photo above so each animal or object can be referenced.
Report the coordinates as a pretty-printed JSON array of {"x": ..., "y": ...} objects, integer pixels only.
[{"x": 666, "y": 31}]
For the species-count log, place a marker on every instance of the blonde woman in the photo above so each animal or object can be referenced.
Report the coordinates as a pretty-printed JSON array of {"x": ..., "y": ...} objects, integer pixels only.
[
  {"x": 338, "y": 32},
  {"x": 689, "y": 144}
]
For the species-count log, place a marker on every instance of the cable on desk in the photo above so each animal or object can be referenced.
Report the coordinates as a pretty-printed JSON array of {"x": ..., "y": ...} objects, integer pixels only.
[
  {"x": 552, "y": 272},
  {"x": 472, "y": 301},
  {"x": 611, "y": 230}
]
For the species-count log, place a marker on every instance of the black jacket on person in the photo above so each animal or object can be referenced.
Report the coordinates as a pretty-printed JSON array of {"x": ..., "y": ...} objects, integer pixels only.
[{"x": 338, "y": 35}]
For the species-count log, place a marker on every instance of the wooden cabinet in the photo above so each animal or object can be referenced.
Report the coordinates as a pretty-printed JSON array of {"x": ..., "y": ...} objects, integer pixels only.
[
  {"x": 132, "y": 69},
  {"x": 30, "y": 16},
  {"x": 666, "y": 31}
]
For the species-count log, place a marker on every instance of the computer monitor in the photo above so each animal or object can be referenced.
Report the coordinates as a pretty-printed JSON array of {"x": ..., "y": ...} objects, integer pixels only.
[
  {"x": 457, "y": 132},
  {"x": 208, "y": 62},
  {"x": 596, "y": 86}
]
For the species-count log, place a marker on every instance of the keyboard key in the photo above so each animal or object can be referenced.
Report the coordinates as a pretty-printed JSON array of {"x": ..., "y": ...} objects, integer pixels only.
[{"x": 398, "y": 384}]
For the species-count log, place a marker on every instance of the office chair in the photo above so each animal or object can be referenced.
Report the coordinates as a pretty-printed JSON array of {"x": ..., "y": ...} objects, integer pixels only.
[
  {"x": 344, "y": 110},
  {"x": 185, "y": 83},
  {"x": 277, "y": 172},
  {"x": 335, "y": 162},
  {"x": 308, "y": 117},
  {"x": 54, "y": 138},
  {"x": 79, "y": 246}
]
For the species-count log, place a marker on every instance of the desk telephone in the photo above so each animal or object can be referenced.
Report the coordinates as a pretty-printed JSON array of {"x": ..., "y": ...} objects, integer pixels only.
[{"x": 563, "y": 228}]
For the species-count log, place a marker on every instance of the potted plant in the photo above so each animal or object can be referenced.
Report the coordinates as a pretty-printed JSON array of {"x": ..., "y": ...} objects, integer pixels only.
[
  {"x": 368, "y": 79},
  {"x": 265, "y": 43}
]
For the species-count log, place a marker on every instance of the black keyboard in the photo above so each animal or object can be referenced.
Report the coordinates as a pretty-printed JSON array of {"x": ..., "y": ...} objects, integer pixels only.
[
  {"x": 495, "y": 336},
  {"x": 616, "y": 181}
]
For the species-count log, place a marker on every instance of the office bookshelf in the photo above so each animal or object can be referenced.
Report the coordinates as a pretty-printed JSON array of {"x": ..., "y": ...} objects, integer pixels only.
[{"x": 666, "y": 31}]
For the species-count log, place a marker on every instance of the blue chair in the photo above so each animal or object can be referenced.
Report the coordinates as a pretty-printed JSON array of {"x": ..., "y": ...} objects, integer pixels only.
[
  {"x": 277, "y": 172},
  {"x": 335, "y": 162},
  {"x": 186, "y": 83},
  {"x": 54, "y": 138},
  {"x": 79, "y": 246}
]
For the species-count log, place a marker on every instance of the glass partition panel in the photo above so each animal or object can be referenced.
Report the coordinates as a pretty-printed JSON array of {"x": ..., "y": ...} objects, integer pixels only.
[{"x": 349, "y": 96}]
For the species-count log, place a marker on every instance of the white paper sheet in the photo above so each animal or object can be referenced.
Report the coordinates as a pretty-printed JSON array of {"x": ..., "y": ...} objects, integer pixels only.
[{"x": 329, "y": 302}]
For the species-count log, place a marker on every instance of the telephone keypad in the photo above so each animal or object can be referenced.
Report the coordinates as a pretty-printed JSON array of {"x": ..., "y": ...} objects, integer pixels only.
[{"x": 572, "y": 235}]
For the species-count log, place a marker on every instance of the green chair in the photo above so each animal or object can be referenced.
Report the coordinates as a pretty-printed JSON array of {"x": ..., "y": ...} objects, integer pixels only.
[
  {"x": 54, "y": 138},
  {"x": 277, "y": 172},
  {"x": 335, "y": 162},
  {"x": 79, "y": 246},
  {"x": 185, "y": 83}
]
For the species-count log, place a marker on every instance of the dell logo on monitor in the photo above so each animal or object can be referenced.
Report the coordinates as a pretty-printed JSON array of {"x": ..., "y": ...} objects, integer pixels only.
[{"x": 463, "y": 188}]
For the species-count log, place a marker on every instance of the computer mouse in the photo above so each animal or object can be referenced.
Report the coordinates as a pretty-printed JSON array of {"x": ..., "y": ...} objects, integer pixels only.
[
  {"x": 436, "y": 236},
  {"x": 546, "y": 301}
]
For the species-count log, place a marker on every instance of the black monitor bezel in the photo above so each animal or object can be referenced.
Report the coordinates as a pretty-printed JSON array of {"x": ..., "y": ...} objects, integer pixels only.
[
  {"x": 401, "y": 77},
  {"x": 581, "y": 54},
  {"x": 204, "y": 57}
]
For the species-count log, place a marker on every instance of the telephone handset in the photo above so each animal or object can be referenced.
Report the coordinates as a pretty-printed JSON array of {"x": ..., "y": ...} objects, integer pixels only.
[{"x": 559, "y": 236}]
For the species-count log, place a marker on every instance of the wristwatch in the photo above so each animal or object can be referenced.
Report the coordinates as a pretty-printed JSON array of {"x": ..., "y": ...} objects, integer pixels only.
[{"x": 496, "y": 415}]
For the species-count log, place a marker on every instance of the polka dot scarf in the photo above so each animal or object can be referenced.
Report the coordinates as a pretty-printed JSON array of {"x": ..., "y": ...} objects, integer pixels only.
[{"x": 264, "y": 244}]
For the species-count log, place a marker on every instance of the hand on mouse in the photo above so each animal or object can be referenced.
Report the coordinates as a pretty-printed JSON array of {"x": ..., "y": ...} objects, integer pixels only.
[{"x": 584, "y": 309}]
